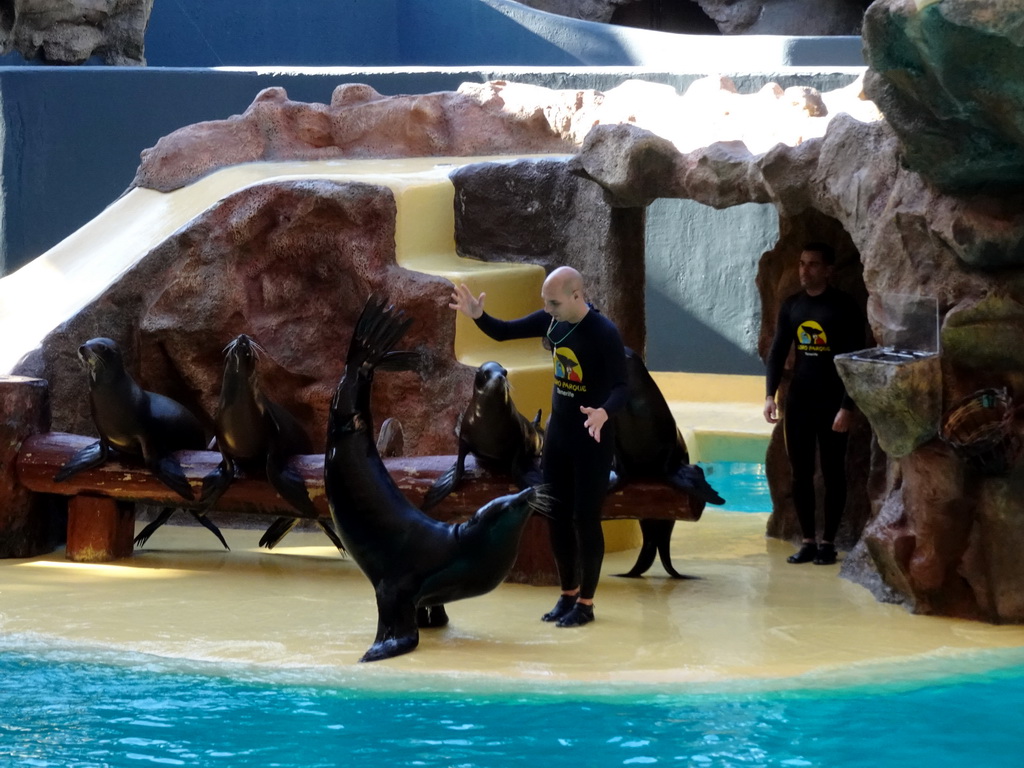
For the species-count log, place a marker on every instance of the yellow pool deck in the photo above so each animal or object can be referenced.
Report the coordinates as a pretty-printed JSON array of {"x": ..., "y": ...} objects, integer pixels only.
[{"x": 747, "y": 615}]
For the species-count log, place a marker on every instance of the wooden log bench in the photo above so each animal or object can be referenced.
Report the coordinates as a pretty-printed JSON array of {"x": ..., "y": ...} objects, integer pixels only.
[{"x": 101, "y": 506}]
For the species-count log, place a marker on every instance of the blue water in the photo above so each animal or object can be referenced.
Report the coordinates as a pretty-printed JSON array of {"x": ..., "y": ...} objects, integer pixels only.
[
  {"x": 742, "y": 484},
  {"x": 85, "y": 714}
]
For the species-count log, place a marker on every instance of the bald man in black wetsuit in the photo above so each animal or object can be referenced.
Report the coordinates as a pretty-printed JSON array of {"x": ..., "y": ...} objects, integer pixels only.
[
  {"x": 590, "y": 385},
  {"x": 821, "y": 321}
]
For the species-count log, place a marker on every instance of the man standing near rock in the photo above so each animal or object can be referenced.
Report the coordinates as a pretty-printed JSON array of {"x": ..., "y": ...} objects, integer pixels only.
[
  {"x": 820, "y": 322},
  {"x": 590, "y": 385}
]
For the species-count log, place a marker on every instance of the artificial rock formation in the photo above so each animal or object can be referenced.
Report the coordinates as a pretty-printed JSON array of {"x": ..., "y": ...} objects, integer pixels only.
[
  {"x": 73, "y": 31},
  {"x": 947, "y": 76},
  {"x": 291, "y": 264},
  {"x": 788, "y": 17},
  {"x": 732, "y": 17},
  {"x": 484, "y": 119}
]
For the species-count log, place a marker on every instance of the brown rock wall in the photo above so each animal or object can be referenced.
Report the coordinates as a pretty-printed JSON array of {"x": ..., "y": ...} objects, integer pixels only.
[{"x": 289, "y": 263}]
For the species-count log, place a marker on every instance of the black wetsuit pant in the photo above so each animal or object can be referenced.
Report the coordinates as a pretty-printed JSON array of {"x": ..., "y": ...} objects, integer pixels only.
[
  {"x": 808, "y": 426},
  {"x": 576, "y": 470}
]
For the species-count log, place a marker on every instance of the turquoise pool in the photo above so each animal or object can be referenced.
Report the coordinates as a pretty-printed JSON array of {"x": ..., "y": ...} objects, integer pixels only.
[
  {"x": 60, "y": 711},
  {"x": 742, "y": 484}
]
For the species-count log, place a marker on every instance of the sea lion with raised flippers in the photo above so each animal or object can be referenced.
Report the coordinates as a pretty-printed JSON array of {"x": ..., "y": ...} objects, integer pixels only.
[
  {"x": 649, "y": 446},
  {"x": 415, "y": 563},
  {"x": 257, "y": 436},
  {"x": 492, "y": 429},
  {"x": 137, "y": 424}
]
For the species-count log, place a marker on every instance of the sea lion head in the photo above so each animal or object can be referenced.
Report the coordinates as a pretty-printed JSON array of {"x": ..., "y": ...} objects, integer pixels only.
[
  {"x": 102, "y": 357},
  {"x": 491, "y": 378},
  {"x": 240, "y": 356},
  {"x": 503, "y": 519}
]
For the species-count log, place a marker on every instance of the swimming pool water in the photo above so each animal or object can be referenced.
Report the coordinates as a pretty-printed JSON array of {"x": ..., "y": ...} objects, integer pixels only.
[
  {"x": 86, "y": 714},
  {"x": 742, "y": 484}
]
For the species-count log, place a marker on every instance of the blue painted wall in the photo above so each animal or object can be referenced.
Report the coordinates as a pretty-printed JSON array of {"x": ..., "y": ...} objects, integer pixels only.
[{"x": 72, "y": 136}]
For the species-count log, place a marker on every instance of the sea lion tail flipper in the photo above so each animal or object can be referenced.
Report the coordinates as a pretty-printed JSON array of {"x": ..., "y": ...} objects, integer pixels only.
[
  {"x": 443, "y": 486},
  {"x": 399, "y": 361},
  {"x": 690, "y": 478},
  {"x": 215, "y": 483},
  {"x": 328, "y": 529},
  {"x": 93, "y": 455},
  {"x": 208, "y": 524},
  {"x": 644, "y": 560},
  {"x": 149, "y": 530},
  {"x": 277, "y": 531},
  {"x": 660, "y": 532},
  {"x": 289, "y": 484}
]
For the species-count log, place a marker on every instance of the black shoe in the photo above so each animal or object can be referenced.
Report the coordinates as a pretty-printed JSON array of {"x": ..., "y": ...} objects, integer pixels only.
[
  {"x": 562, "y": 607},
  {"x": 826, "y": 555},
  {"x": 807, "y": 553},
  {"x": 579, "y": 615}
]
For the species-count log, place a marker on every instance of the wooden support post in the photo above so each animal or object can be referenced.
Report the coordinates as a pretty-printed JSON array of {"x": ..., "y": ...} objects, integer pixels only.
[
  {"x": 99, "y": 529},
  {"x": 24, "y": 410}
]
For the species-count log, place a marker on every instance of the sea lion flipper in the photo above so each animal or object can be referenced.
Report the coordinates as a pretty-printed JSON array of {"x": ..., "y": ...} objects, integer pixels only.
[
  {"x": 289, "y": 484},
  {"x": 149, "y": 530},
  {"x": 328, "y": 529},
  {"x": 215, "y": 483},
  {"x": 397, "y": 632},
  {"x": 448, "y": 482},
  {"x": 644, "y": 560},
  {"x": 208, "y": 524},
  {"x": 664, "y": 544},
  {"x": 443, "y": 486},
  {"x": 168, "y": 471},
  {"x": 399, "y": 361},
  {"x": 93, "y": 455},
  {"x": 690, "y": 478},
  {"x": 277, "y": 531}
]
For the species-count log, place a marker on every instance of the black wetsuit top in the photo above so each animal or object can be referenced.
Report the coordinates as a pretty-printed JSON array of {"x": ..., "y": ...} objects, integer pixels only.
[
  {"x": 820, "y": 327},
  {"x": 589, "y": 360}
]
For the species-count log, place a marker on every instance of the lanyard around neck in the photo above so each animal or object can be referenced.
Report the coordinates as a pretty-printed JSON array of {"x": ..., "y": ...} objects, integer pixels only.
[{"x": 551, "y": 327}]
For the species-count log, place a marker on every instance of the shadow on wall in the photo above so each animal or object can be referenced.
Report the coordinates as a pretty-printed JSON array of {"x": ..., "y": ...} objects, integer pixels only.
[{"x": 679, "y": 341}]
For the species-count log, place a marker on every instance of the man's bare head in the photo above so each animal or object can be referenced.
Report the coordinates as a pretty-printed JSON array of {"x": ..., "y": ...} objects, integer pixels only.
[{"x": 563, "y": 295}]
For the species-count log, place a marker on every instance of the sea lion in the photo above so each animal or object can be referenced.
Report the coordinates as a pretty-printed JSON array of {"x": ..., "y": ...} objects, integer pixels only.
[
  {"x": 649, "y": 446},
  {"x": 415, "y": 563},
  {"x": 257, "y": 435},
  {"x": 493, "y": 430},
  {"x": 137, "y": 424}
]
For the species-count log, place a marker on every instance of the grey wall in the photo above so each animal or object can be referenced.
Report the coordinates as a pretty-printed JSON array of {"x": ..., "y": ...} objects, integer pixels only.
[{"x": 703, "y": 308}]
